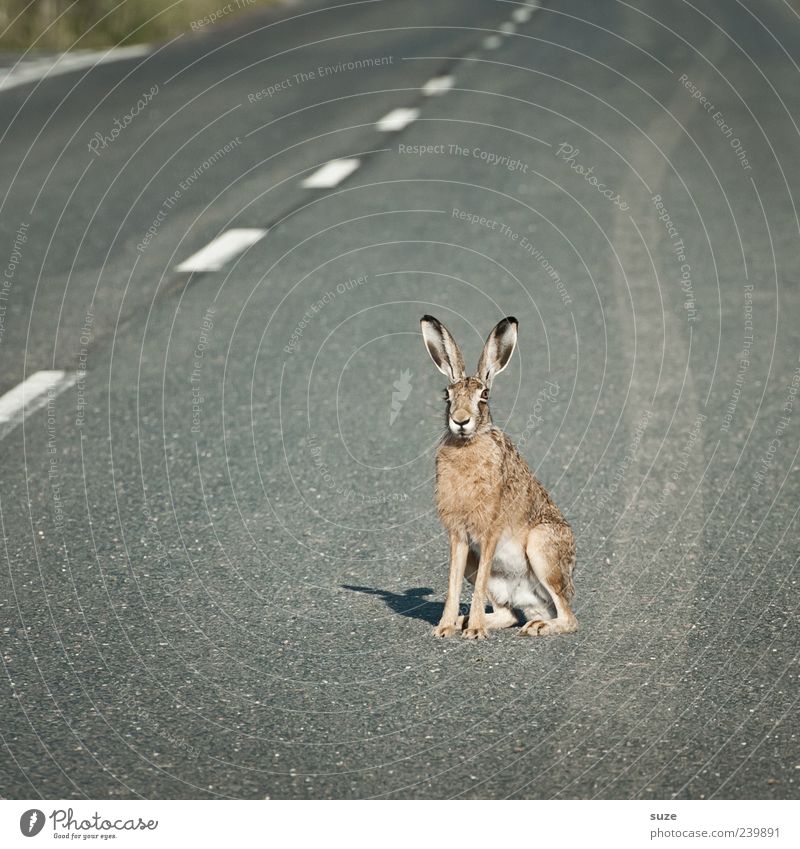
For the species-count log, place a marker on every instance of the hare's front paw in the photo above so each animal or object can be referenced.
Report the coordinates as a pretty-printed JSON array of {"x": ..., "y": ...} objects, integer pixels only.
[
  {"x": 477, "y": 633},
  {"x": 444, "y": 630}
]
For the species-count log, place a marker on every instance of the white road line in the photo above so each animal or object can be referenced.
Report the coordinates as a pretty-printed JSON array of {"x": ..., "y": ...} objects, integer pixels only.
[
  {"x": 492, "y": 42},
  {"x": 222, "y": 249},
  {"x": 31, "y": 395},
  {"x": 397, "y": 119},
  {"x": 331, "y": 174},
  {"x": 30, "y": 70},
  {"x": 523, "y": 14},
  {"x": 507, "y": 28},
  {"x": 438, "y": 85}
]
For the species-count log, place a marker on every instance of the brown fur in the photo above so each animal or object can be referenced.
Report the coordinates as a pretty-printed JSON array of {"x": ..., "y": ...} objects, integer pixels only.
[{"x": 484, "y": 489}]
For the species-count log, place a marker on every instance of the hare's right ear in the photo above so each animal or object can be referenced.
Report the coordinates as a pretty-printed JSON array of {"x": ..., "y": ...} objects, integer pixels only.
[
  {"x": 498, "y": 349},
  {"x": 443, "y": 348}
]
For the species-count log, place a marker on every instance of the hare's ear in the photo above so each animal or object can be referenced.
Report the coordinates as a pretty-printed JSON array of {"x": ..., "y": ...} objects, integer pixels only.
[
  {"x": 498, "y": 349},
  {"x": 442, "y": 348}
]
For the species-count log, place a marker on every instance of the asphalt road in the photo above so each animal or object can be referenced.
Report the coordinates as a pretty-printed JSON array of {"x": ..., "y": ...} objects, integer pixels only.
[{"x": 221, "y": 561}]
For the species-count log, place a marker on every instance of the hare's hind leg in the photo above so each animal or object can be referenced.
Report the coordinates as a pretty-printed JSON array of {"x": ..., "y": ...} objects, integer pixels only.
[
  {"x": 551, "y": 552},
  {"x": 500, "y": 617}
]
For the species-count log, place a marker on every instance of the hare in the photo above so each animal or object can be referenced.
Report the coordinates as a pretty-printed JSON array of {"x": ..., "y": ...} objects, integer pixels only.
[{"x": 507, "y": 537}]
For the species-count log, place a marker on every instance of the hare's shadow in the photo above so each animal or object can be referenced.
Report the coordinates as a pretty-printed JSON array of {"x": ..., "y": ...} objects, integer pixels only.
[{"x": 411, "y": 603}]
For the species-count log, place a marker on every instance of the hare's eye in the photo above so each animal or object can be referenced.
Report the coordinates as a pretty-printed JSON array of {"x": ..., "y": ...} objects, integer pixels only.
[
  {"x": 485, "y": 396},
  {"x": 446, "y": 395}
]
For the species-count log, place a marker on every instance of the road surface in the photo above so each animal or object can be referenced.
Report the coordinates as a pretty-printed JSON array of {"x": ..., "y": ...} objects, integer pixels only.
[{"x": 221, "y": 560}]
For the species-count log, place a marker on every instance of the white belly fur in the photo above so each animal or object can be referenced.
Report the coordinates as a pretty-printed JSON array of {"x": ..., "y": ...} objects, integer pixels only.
[{"x": 511, "y": 581}]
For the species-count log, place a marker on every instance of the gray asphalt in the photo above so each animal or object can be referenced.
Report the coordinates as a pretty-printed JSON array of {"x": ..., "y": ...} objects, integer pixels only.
[{"x": 236, "y": 600}]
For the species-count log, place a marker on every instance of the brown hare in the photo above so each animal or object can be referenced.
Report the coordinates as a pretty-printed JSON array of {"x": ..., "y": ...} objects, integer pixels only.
[{"x": 507, "y": 537}]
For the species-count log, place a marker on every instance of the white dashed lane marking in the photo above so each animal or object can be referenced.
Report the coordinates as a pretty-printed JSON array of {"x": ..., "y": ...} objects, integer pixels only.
[
  {"x": 222, "y": 249},
  {"x": 397, "y": 119},
  {"x": 523, "y": 14},
  {"x": 492, "y": 42},
  {"x": 331, "y": 174},
  {"x": 31, "y": 395},
  {"x": 31, "y": 70},
  {"x": 507, "y": 28},
  {"x": 438, "y": 85}
]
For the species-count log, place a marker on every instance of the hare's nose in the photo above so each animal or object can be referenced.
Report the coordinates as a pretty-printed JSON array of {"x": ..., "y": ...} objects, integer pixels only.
[{"x": 461, "y": 417}]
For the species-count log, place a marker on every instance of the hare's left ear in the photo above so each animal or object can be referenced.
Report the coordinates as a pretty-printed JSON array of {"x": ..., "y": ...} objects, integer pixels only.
[
  {"x": 443, "y": 349},
  {"x": 498, "y": 349}
]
